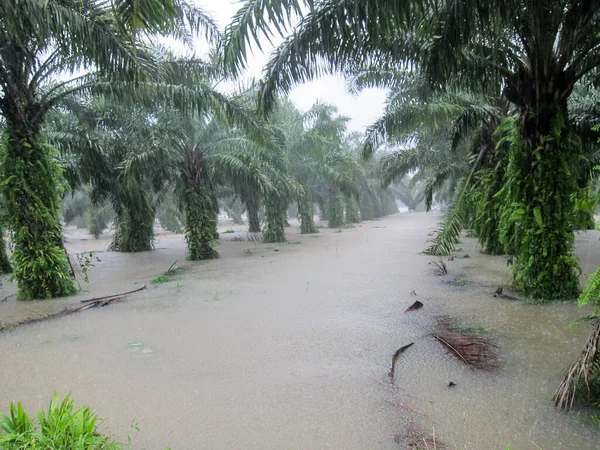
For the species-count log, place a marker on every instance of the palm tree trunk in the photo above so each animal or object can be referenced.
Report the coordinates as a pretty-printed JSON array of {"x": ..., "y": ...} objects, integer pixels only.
[
  {"x": 5, "y": 266},
  {"x": 352, "y": 214},
  {"x": 135, "y": 225},
  {"x": 336, "y": 211},
  {"x": 305, "y": 211},
  {"x": 200, "y": 227},
  {"x": 253, "y": 219},
  {"x": 41, "y": 266},
  {"x": 276, "y": 212},
  {"x": 538, "y": 221}
]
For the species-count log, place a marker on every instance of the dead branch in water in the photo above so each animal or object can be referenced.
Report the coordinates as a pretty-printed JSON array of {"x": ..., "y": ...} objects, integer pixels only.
[
  {"x": 116, "y": 295},
  {"x": 473, "y": 350},
  {"x": 584, "y": 365},
  {"x": 395, "y": 358},
  {"x": 92, "y": 303}
]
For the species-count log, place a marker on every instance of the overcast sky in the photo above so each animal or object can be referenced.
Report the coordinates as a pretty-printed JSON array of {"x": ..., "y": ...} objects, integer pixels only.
[{"x": 362, "y": 109}]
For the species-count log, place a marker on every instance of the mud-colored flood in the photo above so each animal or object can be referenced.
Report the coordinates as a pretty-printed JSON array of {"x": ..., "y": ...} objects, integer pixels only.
[{"x": 288, "y": 347}]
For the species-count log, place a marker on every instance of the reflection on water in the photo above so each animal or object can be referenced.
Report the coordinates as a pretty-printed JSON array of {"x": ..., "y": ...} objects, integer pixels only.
[{"x": 291, "y": 349}]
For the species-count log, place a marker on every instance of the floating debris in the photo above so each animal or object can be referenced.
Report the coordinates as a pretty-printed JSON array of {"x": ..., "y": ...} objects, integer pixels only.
[
  {"x": 395, "y": 358},
  {"x": 414, "y": 306}
]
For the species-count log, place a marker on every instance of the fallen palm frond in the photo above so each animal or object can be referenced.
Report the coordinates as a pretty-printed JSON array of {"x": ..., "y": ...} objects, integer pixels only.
[
  {"x": 395, "y": 358},
  {"x": 439, "y": 267},
  {"x": 248, "y": 237},
  {"x": 468, "y": 347},
  {"x": 415, "y": 437},
  {"x": 584, "y": 367}
]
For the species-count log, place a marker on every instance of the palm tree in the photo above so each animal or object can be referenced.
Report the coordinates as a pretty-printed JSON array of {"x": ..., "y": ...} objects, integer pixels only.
[
  {"x": 207, "y": 154},
  {"x": 50, "y": 49},
  {"x": 537, "y": 50},
  {"x": 326, "y": 170}
]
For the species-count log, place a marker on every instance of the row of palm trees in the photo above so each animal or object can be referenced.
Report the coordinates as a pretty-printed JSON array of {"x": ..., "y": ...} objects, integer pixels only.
[
  {"x": 524, "y": 59},
  {"x": 495, "y": 104},
  {"x": 93, "y": 104}
]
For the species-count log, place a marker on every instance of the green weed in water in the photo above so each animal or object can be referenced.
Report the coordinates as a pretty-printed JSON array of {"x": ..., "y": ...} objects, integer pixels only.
[
  {"x": 161, "y": 279},
  {"x": 62, "y": 427}
]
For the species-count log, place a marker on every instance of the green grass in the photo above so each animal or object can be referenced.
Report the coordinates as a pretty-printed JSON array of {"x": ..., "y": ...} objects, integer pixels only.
[
  {"x": 480, "y": 330},
  {"x": 169, "y": 275},
  {"x": 162, "y": 279},
  {"x": 460, "y": 281},
  {"x": 62, "y": 427}
]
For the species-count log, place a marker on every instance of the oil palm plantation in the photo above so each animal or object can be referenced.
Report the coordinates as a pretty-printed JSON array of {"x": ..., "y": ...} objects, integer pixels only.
[
  {"x": 50, "y": 49},
  {"x": 537, "y": 50},
  {"x": 318, "y": 160},
  {"x": 206, "y": 154}
]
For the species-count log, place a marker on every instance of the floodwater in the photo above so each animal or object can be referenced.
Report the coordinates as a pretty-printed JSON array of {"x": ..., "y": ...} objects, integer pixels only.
[{"x": 288, "y": 346}]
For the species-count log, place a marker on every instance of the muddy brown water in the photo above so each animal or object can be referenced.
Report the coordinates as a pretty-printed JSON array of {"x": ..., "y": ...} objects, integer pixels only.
[{"x": 291, "y": 348}]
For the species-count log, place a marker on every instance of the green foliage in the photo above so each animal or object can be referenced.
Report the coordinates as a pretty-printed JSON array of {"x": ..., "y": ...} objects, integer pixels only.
[
  {"x": 591, "y": 292},
  {"x": 336, "y": 212},
  {"x": 62, "y": 427},
  {"x": 352, "y": 213},
  {"x": 31, "y": 191},
  {"x": 161, "y": 279},
  {"x": 537, "y": 222},
  {"x": 447, "y": 234},
  {"x": 488, "y": 209},
  {"x": 85, "y": 261},
  {"x": 98, "y": 217}
]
